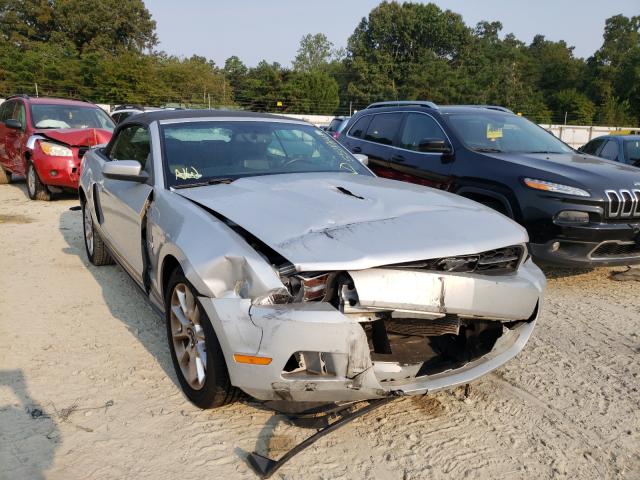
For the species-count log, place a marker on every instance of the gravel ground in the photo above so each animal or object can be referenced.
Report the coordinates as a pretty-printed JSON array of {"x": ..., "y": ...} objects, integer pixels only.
[{"x": 87, "y": 389}]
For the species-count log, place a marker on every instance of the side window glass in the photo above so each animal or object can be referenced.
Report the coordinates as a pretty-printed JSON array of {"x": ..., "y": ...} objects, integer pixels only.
[
  {"x": 6, "y": 110},
  {"x": 383, "y": 128},
  {"x": 419, "y": 128},
  {"x": 19, "y": 114},
  {"x": 592, "y": 147},
  {"x": 632, "y": 152},
  {"x": 610, "y": 150},
  {"x": 132, "y": 143},
  {"x": 358, "y": 129}
]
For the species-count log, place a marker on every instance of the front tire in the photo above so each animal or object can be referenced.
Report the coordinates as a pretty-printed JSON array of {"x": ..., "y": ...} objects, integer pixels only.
[
  {"x": 195, "y": 350},
  {"x": 35, "y": 188},
  {"x": 94, "y": 245}
]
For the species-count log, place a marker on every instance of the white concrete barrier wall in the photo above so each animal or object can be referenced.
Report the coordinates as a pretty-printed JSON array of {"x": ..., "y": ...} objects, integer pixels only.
[{"x": 578, "y": 135}]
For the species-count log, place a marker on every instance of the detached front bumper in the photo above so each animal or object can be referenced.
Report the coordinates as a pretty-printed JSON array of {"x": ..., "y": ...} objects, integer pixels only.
[{"x": 344, "y": 370}]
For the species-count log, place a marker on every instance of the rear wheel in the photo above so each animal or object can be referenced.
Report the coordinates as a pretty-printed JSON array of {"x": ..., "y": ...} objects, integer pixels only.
[
  {"x": 96, "y": 249},
  {"x": 195, "y": 349},
  {"x": 5, "y": 177},
  {"x": 35, "y": 188}
]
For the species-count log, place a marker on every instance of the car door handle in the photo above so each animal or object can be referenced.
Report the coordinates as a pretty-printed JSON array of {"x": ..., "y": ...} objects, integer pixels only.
[
  {"x": 356, "y": 149},
  {"x": 397, "y": 158}
]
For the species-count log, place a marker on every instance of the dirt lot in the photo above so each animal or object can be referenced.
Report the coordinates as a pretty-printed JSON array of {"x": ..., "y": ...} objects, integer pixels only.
[{"x": 87, "y": 389}]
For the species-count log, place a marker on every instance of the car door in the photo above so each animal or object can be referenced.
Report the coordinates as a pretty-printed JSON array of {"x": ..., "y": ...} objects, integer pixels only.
[
  {"x": 123, "y": 203},
  {"x": 413, "y": 157},
  {"x": 610, "y": 151},
  {"x": 15, "y": 139},
  {"x": 6, "y": 111}
]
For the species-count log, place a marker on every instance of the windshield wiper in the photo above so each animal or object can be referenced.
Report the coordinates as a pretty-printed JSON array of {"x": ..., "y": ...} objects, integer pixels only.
[
  {"x": 212, "y": 181},
  {"x": 488, "y": 150}
]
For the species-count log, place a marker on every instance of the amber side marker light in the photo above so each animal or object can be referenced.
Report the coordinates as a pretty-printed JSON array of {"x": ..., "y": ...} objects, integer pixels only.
[{"x": 251, "y": 359}]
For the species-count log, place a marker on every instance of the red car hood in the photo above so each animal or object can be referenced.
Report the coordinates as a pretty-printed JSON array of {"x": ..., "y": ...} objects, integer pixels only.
[{"x": 78, "y": 137}]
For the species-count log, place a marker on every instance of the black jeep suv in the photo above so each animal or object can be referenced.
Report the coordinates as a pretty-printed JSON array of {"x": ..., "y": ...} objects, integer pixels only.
[{"x": 578, "y": 209}]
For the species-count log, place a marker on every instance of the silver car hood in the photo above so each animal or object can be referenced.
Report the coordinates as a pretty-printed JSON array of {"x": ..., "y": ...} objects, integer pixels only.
[{"x": 340, "y": 221}]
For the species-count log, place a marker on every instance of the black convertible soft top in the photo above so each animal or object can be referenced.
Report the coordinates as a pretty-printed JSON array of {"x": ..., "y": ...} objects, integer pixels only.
[{"x": 146, "y": 118}]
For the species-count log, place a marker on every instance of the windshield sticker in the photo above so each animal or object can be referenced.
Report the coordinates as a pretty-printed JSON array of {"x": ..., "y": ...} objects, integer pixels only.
[
  {"x": 187, "y": 173},
  {"x": 493, "y": 133}
]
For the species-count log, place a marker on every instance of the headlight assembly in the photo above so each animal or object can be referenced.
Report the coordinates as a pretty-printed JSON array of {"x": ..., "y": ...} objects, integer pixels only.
[
  {"x": 555, "y": 187},
  {"x": 55, "y": 149}
]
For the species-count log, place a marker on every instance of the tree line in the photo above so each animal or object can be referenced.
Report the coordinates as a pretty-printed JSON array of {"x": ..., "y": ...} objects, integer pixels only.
[{"x": 105, "y": 52}]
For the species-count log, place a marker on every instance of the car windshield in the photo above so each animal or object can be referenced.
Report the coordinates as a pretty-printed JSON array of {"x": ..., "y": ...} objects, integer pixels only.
[
  {"x": 632, "y": 151},
  {"x": 202, "y": 152},
  {"x": 66, "y": 116},
  {"x": 498, "y": 132}
]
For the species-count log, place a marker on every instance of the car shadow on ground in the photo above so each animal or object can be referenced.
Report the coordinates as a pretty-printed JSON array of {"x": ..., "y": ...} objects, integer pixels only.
[
  {"x": 29, "y": 436},
  {"x": 555, "y": 272},
  {"x": 125, "y": 300}
]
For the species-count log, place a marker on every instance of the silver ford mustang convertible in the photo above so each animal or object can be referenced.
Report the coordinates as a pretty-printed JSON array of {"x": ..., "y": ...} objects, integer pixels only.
[{"x": 286, "y": 269}]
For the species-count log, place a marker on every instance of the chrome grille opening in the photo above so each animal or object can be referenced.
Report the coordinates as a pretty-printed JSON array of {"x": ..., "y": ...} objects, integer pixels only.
[{"x": 622, "y": 204}]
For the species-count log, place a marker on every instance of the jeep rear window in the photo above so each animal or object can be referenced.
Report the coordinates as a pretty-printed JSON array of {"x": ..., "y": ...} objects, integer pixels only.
[
  {"x": 503, "y": 133},
  {"x": 67, "y": 116}
]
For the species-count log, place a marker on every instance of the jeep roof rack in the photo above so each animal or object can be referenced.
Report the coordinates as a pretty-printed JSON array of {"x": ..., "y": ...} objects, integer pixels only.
[{"x": 404, "y": 103}]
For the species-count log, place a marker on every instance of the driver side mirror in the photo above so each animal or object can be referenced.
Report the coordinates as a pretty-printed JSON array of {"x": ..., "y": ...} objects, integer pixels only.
[
  {"x": 434, "y": 145},
  {"x": 362, "y": 158},
  {"x": 127, "y": 170},
  {"x": 13, "y": 124}
]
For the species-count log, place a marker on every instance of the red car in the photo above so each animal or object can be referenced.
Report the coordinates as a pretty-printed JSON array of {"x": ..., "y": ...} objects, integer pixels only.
[{"x": 44, "y": 139}]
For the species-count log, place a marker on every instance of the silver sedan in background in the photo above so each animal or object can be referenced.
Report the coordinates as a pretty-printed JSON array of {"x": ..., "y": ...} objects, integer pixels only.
[{"x": 285, "y": 268}]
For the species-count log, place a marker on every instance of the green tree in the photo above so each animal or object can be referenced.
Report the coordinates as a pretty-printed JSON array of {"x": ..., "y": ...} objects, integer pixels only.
[
  {"x": 577, "y": 106},
  {"x": 311, "y": 92},
  {"x": 387, "y": 47},
  {"x": 314, "y": 53},
  {"x": 614, "y": 70},
  {"x": 107, "y": 25},
  {"x": 235, "y": 73}
]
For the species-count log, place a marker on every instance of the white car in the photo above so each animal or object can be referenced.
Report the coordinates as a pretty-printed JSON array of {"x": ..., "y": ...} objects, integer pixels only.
[{"x": 285, "y": 268}]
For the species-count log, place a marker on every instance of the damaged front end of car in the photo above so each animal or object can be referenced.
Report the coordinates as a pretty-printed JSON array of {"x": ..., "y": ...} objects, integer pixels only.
[{"x": 400, "y": 329}]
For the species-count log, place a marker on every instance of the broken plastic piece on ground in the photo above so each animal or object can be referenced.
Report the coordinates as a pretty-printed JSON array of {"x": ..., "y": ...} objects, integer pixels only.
[
  {"x": 630, "y": 274},
  {"x": 266, "y": 467}
]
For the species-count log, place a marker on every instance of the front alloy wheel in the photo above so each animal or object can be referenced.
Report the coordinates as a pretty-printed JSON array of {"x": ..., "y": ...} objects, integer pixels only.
[
  {"x": 188, "y": 336},
  {"x": 195, "y": 350},
  {"x": 96, "y": 249}
]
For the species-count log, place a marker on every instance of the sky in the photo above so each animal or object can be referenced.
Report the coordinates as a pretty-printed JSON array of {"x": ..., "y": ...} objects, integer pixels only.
[{"x": 271, "y": 29}]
